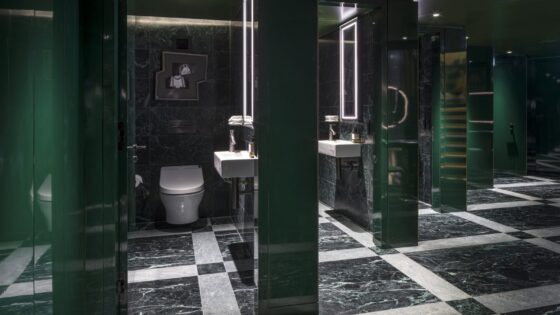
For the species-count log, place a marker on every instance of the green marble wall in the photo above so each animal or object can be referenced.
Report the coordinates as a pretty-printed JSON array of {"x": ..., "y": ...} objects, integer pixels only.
[
  {"x": 395, "y": 127},
  {"x": 286, "y": 125},
  {"x": 480, "y": 116},
  {"x": 510, "y": 114}
]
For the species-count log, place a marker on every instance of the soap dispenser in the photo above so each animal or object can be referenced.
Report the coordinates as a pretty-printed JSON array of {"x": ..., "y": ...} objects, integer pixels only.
[
  {"x": 356, "y": 136},
  {"x": 251, "y": 147}
]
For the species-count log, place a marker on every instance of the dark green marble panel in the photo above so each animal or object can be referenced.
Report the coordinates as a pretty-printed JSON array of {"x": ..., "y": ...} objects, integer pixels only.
[
  {"x": 480, "y": 109},
  {"x": 510, "y": 114}
]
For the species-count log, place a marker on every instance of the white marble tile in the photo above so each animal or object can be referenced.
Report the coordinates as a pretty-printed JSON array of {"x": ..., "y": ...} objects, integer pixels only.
[
  {"x": 458, "y": 242},
  {"x": 323, "y": 220},
  {"x": 548, "y": 232},
  {"x": 485, "y": 222},
  {"x": 521, "y": 299},
  {"x": 515, "y": 194},
  {"x": 28, "y": 288},
  {"x": 440, "y": 308},
  {"x": 544, "y": 243},
  {"x": 14, "y": 264},
  {"x": 523, "y": 184},
  {"x": 427, "y": 211},
  {"x": 216, "y": 294},
  {"x": 345, "y": 254},
  {"x": 223, "y": 227},
  {"x": 439, "y": 287},
  {"x": 143, "y": 275},
  {"x": 206, "y": 249},
  {"x": 356, "y": 232},
  {"x": 324, "y": 207},
  {"x": 500, "y": 205}
]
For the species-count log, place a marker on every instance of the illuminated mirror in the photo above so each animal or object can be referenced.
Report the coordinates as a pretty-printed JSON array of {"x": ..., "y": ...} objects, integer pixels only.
[
  {"x": 248, "y": 61},
  {"x": 349, "y": 70}
]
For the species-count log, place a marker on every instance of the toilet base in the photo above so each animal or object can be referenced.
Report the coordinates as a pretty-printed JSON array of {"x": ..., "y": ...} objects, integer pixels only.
[{"x": 181, "y": 209}]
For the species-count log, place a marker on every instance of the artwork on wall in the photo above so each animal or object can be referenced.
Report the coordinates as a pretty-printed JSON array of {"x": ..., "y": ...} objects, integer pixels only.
[{"x": 180, "y": 76}]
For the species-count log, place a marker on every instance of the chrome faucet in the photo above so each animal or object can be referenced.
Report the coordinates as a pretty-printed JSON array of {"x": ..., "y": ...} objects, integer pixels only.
[
  {"x": 332, "y": 133},
  {"x": 232, "y": 142}
]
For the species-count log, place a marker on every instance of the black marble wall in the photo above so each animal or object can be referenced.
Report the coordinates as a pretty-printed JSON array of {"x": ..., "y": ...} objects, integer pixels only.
[
  {"x": 352, "y": 191},
  {"x": 180, "y": 132}
]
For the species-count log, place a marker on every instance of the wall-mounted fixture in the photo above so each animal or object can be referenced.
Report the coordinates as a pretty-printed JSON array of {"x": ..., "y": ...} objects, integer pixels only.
[
  {"x": 248, "y": 61},
  {"x": 348, "y": 45}
]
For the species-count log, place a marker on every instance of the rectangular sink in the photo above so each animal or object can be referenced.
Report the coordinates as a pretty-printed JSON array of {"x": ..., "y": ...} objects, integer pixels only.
[
  {"x": 340, "y": 148},
  {"x": 235, "y": 164}
]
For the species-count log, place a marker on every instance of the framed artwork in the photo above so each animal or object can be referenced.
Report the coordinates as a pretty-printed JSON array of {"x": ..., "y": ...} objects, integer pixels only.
[{"x": 180, "y": 76}]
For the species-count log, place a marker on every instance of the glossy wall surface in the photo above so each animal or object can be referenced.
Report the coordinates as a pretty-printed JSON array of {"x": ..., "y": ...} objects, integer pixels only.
[
  {"x": 480, "y": 118},
  {"x": 57, "y": 238},
  {"x": 286, "y": 130},
  {"x": 395, "y": 185},
  {"x": 510, "y": 114}
]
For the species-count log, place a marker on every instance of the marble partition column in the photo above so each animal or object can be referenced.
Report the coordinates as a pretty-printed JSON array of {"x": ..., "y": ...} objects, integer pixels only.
[
  {"x": 395, "y": 208},
  {"x": 286, "y": 128}
]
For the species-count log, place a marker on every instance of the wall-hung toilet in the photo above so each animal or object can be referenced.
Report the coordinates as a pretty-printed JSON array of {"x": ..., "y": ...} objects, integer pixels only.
[{"x": 181, "y": 189}]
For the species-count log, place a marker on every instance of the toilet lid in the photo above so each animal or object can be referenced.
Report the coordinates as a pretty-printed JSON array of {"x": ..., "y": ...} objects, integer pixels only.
[{"x": 179, "y": 180}]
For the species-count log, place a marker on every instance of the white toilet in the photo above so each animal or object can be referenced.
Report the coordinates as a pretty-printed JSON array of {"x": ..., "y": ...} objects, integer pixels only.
[{"x": 181, "y": 189}]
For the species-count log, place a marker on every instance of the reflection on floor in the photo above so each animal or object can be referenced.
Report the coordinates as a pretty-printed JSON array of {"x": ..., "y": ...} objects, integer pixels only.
[
  {"x": 500, "y": 257},
  {"x": 190, "y": 270}
]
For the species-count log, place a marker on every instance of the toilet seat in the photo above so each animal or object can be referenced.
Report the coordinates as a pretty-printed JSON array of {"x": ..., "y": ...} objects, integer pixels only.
[{"x": 181, "y": 180}]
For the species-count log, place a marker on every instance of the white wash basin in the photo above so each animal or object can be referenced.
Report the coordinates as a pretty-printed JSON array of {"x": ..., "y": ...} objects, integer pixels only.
[
  {"x": 340, "y": 148},
  {"x": 235, "y": 164}
]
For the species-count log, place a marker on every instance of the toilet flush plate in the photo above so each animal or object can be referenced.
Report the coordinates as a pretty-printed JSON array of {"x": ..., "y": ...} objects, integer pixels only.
[{"x": 237, "y": 164}]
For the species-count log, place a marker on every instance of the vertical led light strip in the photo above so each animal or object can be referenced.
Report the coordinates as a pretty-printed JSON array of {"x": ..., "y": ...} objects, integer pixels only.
[
  {"x": 353, "y": 24},
  {"x": 252, "y": 59},
  {"x": 244, "y": 27}
]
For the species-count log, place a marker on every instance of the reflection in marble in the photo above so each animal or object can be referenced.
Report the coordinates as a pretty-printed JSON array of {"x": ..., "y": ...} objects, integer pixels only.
[
  {"x": 173, "y": 296},
  {"x": 470, "y": 307},
  {"x": 162, "y": 251},
  {"x": 440, "y": 226},
  {"x": 332, "y": 238},
  {"x": 479, "y": 196},
  {"x": 524, "y": 218},
  {"x": 543, "y": 192},
  {"x": 545, "y": 310},
  {"x": 493, "y": 268},
  {"x": 243, "y": 284},
  {"x": 40, "y": 271},
  {"x": 205, "y": 269},
  {"x": 232, "y": 246},
  {"x": 40, "y": 303},
  {"x": 366, "y": 285}
]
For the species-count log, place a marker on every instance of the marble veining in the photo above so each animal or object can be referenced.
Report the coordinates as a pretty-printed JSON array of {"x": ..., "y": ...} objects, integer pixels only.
[
  {"x": 366, "y": 285},
  {"x": 243, "y": 284},
  {"x": 513, "y": 180},
  {"x": 545, "y": 310},
  {"x": 493, "y": 268},
  {"x": 521, "y": 235},
  {"x": 479, "y": 196},
  {"x": 524, "y": 218},
  {"x": 470, "y": 307},
  {"x": 543, "y": 192},
  {"x": 332, "y": 238},
  {"x": 440, "y": 226},
  {"x": 231, "y": 244},
  {"x": 162, "y": 251},
  {"x": 173, "y": 296}
]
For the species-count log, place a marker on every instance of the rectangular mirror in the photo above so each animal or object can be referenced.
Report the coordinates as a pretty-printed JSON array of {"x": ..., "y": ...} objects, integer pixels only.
[{"x": 349, "y": 71}]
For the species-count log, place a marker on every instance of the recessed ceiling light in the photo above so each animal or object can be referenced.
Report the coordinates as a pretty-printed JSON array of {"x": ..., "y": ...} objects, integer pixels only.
[
  {"x": 436, "y": 14},
  {"x": 509, "y": 52},
  {"x": 466, "y": 37},
  {"x": 405, "y": 38}
]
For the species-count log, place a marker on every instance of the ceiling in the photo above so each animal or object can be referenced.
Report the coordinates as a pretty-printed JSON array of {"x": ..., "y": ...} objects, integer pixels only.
[
  {"x": 526, "y": 27},
  {"x": 192, "y": 9}
]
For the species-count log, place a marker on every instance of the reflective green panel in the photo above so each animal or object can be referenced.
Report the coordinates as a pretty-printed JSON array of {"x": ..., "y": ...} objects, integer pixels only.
[
  {"x": 480, "y": 109},
  {"x": 510, "y": 114},
  {"x": 287, "y": 128},
  {"x": 453, "y": 122},
  {"x": 396, "y": 129}
]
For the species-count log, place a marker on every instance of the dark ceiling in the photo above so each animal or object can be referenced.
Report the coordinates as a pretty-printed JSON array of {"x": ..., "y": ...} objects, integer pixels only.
[
  {"x": 192, "y": 9},
  {"x": 530, "y": 27}
]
